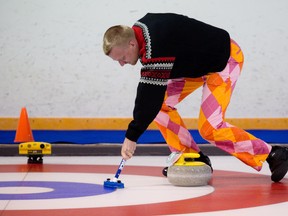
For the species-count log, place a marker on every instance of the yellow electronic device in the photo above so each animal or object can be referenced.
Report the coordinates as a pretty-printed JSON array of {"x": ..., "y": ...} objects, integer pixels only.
[{"x": 35, "y": 151}]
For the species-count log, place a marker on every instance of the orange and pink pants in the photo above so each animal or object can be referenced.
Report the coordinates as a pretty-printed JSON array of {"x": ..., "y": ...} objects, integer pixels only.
[{"x": 216, "y": 95}]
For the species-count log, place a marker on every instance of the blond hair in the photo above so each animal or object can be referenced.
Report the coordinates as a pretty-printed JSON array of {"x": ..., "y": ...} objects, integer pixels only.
[{"x": 116, "y": 36}]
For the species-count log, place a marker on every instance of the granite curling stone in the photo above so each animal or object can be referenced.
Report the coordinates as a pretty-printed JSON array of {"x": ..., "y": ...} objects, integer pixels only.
[{"x": 189, "y": 172}]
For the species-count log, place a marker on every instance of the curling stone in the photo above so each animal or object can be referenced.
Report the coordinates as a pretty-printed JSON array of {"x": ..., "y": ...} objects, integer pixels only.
[{"x": 188, "y": 172}]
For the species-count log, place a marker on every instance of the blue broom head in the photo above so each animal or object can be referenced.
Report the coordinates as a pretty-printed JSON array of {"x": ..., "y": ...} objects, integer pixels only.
[{"x": 113, "y": 184}]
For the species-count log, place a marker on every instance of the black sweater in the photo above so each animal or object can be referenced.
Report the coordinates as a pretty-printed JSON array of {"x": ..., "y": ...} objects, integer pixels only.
[{"x": 172, "y": 46}]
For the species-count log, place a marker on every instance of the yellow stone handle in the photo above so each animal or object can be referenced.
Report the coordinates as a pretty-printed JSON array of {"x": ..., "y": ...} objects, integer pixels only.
[{"x": 188, "y": 159}]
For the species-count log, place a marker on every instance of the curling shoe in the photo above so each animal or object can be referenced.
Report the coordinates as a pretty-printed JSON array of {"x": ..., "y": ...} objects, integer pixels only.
[
  {"x": 203, "y": 158},
  {"x": 165, "y": 171},
  {"x": 278, "y": 162}
]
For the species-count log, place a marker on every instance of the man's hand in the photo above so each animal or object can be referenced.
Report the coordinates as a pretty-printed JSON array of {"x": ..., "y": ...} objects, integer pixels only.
[{"x": 128, "y": 149}]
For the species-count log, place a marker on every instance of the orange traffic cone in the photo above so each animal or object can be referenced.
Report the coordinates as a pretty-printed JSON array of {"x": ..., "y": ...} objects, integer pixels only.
[{"x": 23, "y": 133}]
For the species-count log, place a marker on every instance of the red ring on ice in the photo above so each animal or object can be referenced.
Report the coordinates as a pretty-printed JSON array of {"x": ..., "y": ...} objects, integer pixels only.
[{"x": 233, "y": 190}]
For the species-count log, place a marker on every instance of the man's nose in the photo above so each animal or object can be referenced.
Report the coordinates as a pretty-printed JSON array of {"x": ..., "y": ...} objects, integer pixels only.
[{"x": 122, "y": 63}]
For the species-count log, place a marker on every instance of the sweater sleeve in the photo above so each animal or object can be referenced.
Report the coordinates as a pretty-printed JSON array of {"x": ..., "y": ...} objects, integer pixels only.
[
  {"x": 150, "y": 94},
  {"x": 148, "y": 102}
]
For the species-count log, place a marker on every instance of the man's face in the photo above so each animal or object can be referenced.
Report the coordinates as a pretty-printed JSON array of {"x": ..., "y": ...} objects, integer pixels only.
[{"x": 126, "y": 54}]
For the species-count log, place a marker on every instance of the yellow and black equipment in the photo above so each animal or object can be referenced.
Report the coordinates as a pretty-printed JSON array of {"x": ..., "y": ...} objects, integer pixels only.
[{"x": 35, "y": 151}]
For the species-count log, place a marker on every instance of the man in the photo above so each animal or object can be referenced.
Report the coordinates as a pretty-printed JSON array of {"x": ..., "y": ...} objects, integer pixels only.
[{"x": 180, "y": 54}]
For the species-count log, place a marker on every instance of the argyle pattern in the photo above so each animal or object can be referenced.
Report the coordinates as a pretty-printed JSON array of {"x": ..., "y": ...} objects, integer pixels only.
[{"x": 216, "y": 94}]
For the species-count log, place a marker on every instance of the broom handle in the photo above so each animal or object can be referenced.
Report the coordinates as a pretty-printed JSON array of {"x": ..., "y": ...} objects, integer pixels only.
[{"x": 121, "y": 166}]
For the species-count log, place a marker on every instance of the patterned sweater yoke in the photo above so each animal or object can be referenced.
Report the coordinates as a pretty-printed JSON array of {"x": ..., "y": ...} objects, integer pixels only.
[{"x": 155, "y": 71}]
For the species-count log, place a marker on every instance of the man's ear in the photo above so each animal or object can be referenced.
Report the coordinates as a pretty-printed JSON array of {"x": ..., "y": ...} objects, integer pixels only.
[{"x": 133, "y": 42}]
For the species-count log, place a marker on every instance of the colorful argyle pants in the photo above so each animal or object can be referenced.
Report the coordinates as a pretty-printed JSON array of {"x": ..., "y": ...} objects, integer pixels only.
[{"x": 216, "y": 94}]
